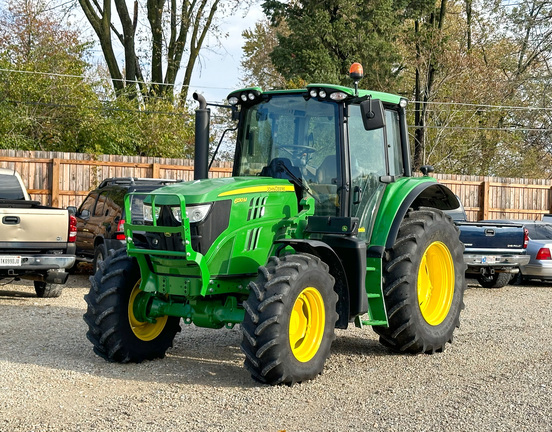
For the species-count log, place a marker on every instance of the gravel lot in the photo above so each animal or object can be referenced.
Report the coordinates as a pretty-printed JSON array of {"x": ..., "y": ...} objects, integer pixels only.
[{"x": 496, "y": 376}]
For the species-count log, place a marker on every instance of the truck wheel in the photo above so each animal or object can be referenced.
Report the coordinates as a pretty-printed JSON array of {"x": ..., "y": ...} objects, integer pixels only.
[
  {"x": 289, "y": 321},
  {"x": 518, "y": 279},
  {"x": 44, "y": 289},
  {"x": 423, "y": 283},
  {"x": 497, "y": 280},
  {"x": 100, "y": 254},
  {"x": 112, "y": 327}
]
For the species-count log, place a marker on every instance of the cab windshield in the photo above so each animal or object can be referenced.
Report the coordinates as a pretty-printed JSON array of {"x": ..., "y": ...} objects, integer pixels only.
[{"x": 301, "y": 135}]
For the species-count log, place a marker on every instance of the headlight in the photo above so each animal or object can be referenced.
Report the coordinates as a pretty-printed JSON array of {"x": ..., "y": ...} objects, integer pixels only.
[
  {"x": 197, "y": 213},
  {"x": 146, "y": 211}
]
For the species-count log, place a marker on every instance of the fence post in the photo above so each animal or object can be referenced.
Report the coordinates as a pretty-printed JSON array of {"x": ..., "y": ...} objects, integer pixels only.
[
  {"x": 154, "y": 170},
  {"x": 54, "y": 195},
  {"x": 484, "y": 200}
]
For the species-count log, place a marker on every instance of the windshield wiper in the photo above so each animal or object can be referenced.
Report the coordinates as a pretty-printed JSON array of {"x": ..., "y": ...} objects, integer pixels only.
[{"x": 296, "y": 180}]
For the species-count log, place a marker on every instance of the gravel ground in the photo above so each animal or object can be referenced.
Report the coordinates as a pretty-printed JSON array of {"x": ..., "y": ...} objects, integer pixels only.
[{"x": 497, "y": 375}]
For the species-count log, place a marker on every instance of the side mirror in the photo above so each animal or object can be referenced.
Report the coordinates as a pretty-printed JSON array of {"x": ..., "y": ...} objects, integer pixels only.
[
  {"x": 72, "y": 210},
  {"x": 372, "y": 113}
]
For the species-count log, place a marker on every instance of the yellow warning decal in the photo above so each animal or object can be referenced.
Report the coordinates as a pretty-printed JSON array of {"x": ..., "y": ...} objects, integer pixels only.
[{"x": 257, "y": 189}]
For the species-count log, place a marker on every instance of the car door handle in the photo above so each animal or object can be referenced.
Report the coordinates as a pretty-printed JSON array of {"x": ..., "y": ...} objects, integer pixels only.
[{"x": 11, "y": 220}]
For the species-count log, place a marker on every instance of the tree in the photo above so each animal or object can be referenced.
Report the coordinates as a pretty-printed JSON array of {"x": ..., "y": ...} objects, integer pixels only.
[
  {"x": 176, "y": 30},
  {"x": 326, "y": 37},
  {"x": 48, "y": 103},
  {"x": 256, "y": 63},
  {"x": 37, "y": 104}
]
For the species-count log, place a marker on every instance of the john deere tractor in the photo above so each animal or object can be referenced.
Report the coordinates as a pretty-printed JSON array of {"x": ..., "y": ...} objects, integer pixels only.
[{"x": 321, "y": 225}]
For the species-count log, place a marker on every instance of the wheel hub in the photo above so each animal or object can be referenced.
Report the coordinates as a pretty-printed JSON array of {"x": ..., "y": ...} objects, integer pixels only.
[
  {"x": 436, "y": 283},
  {"x": 306, "y": 327}
]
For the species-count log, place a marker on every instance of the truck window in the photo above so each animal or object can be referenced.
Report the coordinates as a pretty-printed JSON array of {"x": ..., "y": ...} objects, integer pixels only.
[
  {"x": 87, "y": 206},
  {"x": 10, "y": 189},
  {"x": 100, "y": 205}
]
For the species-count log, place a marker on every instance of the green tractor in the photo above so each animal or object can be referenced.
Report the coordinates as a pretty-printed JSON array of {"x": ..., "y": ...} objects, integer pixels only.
[{"x": 320, "y": 226}]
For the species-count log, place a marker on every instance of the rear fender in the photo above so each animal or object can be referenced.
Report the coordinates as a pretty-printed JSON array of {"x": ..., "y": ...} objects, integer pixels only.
[{"x": 410, "y": 193}]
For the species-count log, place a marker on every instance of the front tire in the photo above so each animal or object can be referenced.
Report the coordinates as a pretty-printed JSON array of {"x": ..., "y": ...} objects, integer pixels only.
[
  {"x": 113, "y": 329},
  {"x": 497, "y": 280},
  {"x": 289, "y": 321},
  {"x": 424, "y": 282}
]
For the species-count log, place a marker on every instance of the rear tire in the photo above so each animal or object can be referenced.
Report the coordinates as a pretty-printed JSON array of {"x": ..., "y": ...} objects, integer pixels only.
[
  {"x": 497, "y": 280},
  {"x": 423, "y": 283},
  {"x": 45, "y": 289},
  {"x": 289, "y": 321},
  {"x": 115, "y": 333}
]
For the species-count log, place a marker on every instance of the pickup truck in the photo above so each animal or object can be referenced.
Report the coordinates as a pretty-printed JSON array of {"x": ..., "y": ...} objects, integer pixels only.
[
  {"x": 494, "y": 251},
  {"x": 36, "y": 242}
]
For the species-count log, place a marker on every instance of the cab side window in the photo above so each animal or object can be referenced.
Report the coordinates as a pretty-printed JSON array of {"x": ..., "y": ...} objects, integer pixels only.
[{"x": 396, "y": 166}]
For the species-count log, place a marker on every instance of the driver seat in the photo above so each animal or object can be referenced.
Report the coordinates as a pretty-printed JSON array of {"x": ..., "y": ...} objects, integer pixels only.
[{"x": 327, "y": 171}]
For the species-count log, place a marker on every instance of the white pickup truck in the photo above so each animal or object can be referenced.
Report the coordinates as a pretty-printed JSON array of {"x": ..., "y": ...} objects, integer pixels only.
[{"x": 36, "y": 242}]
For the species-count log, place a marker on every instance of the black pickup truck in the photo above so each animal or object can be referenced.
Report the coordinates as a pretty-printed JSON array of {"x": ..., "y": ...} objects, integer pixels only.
[{"x": 493, "y": 251}]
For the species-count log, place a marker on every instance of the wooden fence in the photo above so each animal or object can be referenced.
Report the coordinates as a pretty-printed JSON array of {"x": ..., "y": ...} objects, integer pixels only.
[{"x": 64, "y": 179}]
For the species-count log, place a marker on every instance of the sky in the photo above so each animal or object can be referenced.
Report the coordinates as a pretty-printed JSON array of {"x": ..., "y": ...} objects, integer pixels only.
[{"x": 218, "y": 72}]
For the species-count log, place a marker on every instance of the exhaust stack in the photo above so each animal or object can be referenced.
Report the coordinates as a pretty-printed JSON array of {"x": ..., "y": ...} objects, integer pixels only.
[{"x": 201, "y": 158}]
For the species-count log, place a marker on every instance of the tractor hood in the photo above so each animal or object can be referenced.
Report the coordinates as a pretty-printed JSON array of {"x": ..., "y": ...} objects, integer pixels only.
[{"x": 209, "y": 190}]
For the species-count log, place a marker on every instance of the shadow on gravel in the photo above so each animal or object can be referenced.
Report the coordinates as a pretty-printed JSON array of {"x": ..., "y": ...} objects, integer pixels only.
[
  {"x": 54, "y": 337},
  {"x": 5, "y": 294},
  {"x": 359, "y": 346}
]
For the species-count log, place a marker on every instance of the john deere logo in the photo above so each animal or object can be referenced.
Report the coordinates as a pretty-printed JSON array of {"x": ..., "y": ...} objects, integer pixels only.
[{"x": 344, "y": 228}]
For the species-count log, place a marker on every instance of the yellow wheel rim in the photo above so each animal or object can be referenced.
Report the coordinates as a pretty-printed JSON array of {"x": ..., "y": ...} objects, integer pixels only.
[
  {"x": 436, "y": 283},
  {"x": 306, "y": 324},
  {"x": 143, "y": 330}
]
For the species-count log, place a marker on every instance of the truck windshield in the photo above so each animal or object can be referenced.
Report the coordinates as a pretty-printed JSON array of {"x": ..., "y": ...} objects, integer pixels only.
[{"x": 301, "y": 134}]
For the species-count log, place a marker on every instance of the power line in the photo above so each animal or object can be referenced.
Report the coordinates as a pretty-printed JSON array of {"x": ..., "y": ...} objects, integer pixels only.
[
  {"x": 483, "y": 105},
  {"x": 505, "y": 129},
  {"x": 107, "y": 79}
]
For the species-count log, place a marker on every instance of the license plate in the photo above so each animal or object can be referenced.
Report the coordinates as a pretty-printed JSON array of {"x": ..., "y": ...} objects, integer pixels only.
[
  {"x": 488, "y": 260},
  {"x": 10, "y": 261}
]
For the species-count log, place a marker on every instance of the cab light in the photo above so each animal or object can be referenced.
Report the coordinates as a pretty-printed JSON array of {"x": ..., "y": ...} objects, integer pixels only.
[
  {"x": 403, "y": 103},
  {"x": 322, "y": 94},
  {"x": 233, "y": 100},
  {"x": 243, "y": 97},
  {"x": 338, "y": 96},
  {"x": 313, "y": 93},
  {"x": 544, "y": 254},
  {"x": 251, "y": 96}
]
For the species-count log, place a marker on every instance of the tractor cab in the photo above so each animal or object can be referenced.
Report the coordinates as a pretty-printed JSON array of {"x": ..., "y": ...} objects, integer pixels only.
[{"x": 336, "y": 145}]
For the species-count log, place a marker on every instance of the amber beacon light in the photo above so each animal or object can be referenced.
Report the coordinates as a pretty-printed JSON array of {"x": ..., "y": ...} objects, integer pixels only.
[{"x": 356, "y": 73}]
